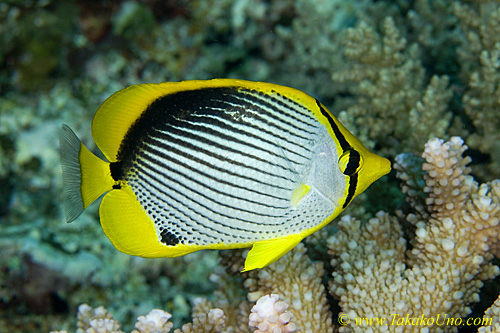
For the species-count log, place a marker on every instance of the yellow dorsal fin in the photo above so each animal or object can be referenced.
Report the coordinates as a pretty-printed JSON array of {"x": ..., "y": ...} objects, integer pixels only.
[
  {"x": 119, "y": 112},
  {"x": 266, "y": 252}
]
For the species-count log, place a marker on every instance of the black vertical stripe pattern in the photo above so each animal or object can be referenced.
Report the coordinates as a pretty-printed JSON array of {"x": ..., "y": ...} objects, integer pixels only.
[
  {"x": 343, "y": 142},
  {"x": 353, "y": 180},
  {"x": 353, "y": 163}
]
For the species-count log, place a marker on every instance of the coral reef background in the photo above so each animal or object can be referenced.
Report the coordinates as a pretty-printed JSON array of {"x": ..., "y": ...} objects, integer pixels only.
[{"x": 422, "y": 241}]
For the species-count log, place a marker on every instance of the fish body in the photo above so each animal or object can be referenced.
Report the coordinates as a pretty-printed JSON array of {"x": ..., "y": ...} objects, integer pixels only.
[{"x": 215, "y": 164}]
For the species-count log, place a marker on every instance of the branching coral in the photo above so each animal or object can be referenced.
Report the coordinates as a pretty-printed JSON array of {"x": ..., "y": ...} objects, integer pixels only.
[
  {"x": 491, "y": 318},
  {"x": 99, "y": 320},
  {"x": 155, "y": 321},
  {"x": 453, "y": 244},
  {"x": 367, "y": 265},
  {"x": 210, "y": 322},
  {"x": 479, "y": 56},
  {"x": 295, "y": 279},
  {"x": 297, "y": 302},
  {"x": 389, "y": 85},
  {"x": 298, "y": 282},
  {"x": 270, "y": 314}
]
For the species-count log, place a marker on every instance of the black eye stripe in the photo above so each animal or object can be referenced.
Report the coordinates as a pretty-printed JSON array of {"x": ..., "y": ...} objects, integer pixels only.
[
  {"x": 353, "y": 179},
  {"x": 353, "y": 164}
]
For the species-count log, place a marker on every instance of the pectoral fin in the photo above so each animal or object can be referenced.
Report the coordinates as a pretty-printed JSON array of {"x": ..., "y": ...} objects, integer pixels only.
[
  {"x": 299, "y": 193},
  {"x": 266, "y": 252}
]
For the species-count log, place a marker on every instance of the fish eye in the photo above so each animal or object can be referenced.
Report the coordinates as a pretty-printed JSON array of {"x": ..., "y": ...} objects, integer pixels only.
[{"x": 350, "y": 162}]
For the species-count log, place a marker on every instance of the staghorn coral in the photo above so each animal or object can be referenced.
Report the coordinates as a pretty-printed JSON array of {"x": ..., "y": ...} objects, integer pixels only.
[
  {"x": 270, "y": 314},
  {"x": 435, "y": 28},
  {"x": 491, "y": 319},
  {"x": 99, "y": 320},
  {"x": 295, "y": 279},
  {"x": 479, "y": 55},
  {"x": 210, "y": 322},
  {"x": 298, "y": 282},
  {"x": 452, "y": 248},
  {"x": 368, "y": 268},
  {"x": 96, "y": 320},
  {"x": 387, "y": 79},
  {"x": 301, "y": 306},
  {"x": 155, "y": 321}
]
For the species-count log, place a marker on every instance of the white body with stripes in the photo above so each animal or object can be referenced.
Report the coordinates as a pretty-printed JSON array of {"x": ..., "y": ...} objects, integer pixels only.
[{"x": 227, "y": 174}]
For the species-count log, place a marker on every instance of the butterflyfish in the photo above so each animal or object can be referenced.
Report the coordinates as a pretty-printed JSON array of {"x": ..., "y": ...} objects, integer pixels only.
[{"x": 215, "y": 164}]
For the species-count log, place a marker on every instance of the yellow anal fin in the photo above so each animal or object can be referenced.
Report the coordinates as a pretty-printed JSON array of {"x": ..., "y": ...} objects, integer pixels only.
[
  {"x": 299, "y": 193},
  {"x": 131, "y": 230},
  {"x": 266, "y": 252}
]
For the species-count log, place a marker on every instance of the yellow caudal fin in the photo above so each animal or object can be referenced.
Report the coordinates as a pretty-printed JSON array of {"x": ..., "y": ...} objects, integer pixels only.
[
  {"x": 266, "y": 252},
  {"x": 85, "y": 176}
]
